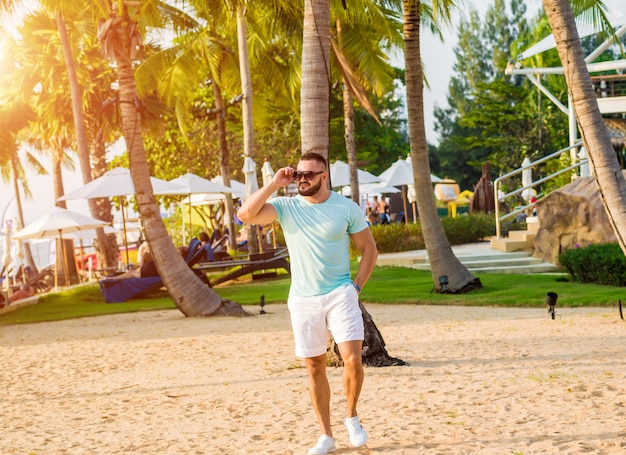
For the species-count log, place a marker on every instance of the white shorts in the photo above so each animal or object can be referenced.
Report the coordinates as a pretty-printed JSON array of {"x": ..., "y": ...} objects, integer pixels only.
[{"x": 312, "y": 317}]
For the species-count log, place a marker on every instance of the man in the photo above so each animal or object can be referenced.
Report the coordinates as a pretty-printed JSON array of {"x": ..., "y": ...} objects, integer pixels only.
[
  {"x": 318, "y": 225},
  {"x": 383, "y": 211}
]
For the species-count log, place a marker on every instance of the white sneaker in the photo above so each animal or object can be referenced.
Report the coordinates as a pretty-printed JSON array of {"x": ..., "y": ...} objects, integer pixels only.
[
  {"x": 358, "y": 436},
  {"x": 325, "y": 444}
]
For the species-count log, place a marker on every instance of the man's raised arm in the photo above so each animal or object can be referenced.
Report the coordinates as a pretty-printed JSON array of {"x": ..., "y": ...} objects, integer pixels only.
[{"x": 255, "y": 209}]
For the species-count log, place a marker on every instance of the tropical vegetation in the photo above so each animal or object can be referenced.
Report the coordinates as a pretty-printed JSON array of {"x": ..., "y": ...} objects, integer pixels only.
[{"x": 97, "y": 71}]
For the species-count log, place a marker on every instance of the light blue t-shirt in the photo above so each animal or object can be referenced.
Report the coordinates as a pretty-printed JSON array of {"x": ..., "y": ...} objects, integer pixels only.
[{"x": 318, "y": 238}]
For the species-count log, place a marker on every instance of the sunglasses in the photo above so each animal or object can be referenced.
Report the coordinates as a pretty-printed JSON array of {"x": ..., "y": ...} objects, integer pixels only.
[{"x": 306, "y": 175}]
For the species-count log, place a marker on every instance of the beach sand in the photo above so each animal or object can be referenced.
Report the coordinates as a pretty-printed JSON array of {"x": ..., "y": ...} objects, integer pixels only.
[{"x": 481, "y": 381}]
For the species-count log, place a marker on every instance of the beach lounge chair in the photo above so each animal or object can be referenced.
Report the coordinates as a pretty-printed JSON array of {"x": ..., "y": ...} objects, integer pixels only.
[
  {"x": 270, "y": 260},
  {"x": 124, "y": 287}
]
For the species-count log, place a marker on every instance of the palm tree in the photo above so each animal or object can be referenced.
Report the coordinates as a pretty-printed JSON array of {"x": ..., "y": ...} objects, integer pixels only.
[
  {"x": 120, "y": 34},
  {"x": 106, "y": 255},
  {"x": 607, "y": 171},
  {"x": 442, "y": 259}
]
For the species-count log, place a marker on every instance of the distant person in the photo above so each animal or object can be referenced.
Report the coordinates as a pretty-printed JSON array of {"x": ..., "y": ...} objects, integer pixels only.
[
  {"x": 383, "y": 211},
  {"x": 148, "y": 267},
  {"x": 204, "y": 252},
  {"x": 242, "y": 239},
  {"x": 373, "y": 213},
  {"x": 141, "y": 252},
  {"x": 25, "y": 291}
]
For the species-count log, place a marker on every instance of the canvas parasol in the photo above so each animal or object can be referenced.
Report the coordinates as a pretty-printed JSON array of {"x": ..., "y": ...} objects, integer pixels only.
[
  {"x": 119, "y": 182},
  {"x": 194, "y": 184},
  {"x": 268, "y": 173},
  {"x": 340, "y": 175},
  {"x": 249, "y": 172},
  {"x": 55, "y": 223}
]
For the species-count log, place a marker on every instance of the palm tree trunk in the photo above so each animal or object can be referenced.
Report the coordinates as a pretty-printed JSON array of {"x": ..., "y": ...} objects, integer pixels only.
[
  {"x": 76, "y": 94},
  {"x": 65, "y": 260},
  {"x": 190, "y": 295},
  {"x": 607, "y": 171},
  {"x": 20, "y": 214},
  {"x": 315, "y": 88},
  {"x": 442, "y": 259},
  {"x": 99, "y": 166},
  {"x": 348, "y": 125},
  {"x": 246, "y": 106},
  {"x": 229, "y": 211}
]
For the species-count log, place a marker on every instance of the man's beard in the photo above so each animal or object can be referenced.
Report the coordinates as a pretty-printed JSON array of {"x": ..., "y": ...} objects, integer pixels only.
[{"x": 312, "y": 190}]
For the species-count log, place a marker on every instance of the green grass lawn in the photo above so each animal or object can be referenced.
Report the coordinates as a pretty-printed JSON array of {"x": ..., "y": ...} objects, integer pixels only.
[{"x": 387, "y": 285}]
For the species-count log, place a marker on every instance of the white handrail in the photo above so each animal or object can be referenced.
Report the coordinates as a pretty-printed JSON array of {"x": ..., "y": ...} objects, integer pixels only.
[{"x": 497, "y": 182}]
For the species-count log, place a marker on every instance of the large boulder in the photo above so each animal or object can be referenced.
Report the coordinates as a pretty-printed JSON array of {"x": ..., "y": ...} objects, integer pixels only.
[{"x": 569, "y": 217}]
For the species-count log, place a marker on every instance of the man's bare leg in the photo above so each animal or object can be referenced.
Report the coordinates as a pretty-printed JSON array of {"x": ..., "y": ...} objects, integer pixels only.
[
  {"x": 319, "y": 389},
  {"x": 352, "y": 373}
]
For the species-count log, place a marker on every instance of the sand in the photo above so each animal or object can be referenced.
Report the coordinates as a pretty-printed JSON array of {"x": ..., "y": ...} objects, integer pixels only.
[{"x": 481, "y": 381}]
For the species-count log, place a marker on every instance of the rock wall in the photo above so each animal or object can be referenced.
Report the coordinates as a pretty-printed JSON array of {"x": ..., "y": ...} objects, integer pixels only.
[{"x": 570, "y": 216}]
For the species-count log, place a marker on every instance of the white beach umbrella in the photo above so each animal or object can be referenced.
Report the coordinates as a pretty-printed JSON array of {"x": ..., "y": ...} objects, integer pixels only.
[
  {"x": 399, "y": 173},
  {"x": 119, "y": 182},
  {"x": 374, "y": 189},
  {"x": 249, "y": 172},
  {"x": 194, "y": 184},
  {"x": 267, "y": 173},
  {"x": 238, "y": 188},
  {"x": 340, "y": 175},
  {"x": 55, "y": 223}
]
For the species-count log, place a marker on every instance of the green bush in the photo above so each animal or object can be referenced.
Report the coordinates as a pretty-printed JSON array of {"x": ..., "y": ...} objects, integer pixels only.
[
  {"x": 392, "y": 238},
  {"x": 598, "y": 264}
]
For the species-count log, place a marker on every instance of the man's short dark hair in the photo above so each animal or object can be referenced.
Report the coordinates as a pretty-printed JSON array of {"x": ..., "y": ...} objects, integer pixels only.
[{"x": 314, "y": 156}]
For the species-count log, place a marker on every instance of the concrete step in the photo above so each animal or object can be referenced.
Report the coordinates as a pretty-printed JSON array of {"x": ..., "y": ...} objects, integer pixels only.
[
  {"x": 477, "y": 257},
  {"x": 525, "y": 236},
  {"x": 482, "y": 257},
  {"x": 543, "y": 267},
  {"x": 509, "y": 244},
  {"x": 503, "y": 264},
  {"x": 532, "y": 224}
]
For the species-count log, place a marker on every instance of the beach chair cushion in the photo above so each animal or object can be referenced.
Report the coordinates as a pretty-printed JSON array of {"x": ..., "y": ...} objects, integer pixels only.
[{"x": 121, "y": 290}]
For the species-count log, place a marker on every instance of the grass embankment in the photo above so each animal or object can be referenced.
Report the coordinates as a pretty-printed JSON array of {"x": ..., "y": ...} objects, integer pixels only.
[{"x": 387, "y": 285}]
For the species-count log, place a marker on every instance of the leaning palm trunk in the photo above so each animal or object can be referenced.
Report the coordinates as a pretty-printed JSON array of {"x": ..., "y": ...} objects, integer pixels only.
[
  {"x": 607, "y": 172},
  {"x": 442, "y": 259},
  {"x": 190, "y": 295}
]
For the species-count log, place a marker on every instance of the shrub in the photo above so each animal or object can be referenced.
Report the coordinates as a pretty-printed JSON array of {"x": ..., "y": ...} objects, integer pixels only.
[{"x": 598, "y": 264}]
